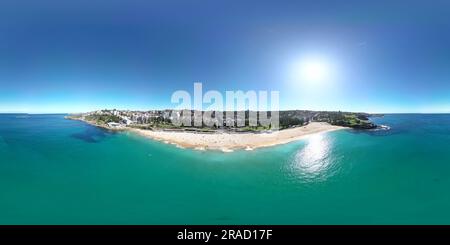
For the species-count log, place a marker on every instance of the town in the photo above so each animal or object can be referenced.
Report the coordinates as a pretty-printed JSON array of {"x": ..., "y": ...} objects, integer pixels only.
[{"x": 239, "y": 121}]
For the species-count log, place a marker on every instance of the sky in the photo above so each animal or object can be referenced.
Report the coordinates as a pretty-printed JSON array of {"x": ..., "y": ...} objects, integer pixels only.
[{"x": 371, "y": 56}]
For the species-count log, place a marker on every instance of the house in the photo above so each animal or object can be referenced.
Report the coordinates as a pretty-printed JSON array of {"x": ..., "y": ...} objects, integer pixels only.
[{"x": 114, "y": 125}]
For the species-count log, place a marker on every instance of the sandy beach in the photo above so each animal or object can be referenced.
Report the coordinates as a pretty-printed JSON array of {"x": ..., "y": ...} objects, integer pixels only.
[{"x": 226, "y": 141}]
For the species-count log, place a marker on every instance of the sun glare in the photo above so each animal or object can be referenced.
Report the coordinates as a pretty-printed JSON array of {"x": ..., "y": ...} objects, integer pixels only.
[{"x": 312, "y": 71}]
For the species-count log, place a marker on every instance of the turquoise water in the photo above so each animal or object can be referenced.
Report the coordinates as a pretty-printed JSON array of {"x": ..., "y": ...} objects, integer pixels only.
[{"x": 57, "y": 171}]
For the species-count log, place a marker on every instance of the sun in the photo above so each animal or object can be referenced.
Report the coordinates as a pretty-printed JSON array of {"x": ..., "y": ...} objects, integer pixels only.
[{"x": 313, "y": 70}]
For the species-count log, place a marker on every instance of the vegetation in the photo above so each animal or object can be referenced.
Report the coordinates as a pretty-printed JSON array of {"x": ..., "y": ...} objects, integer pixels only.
[
  {"x": 346, "y": 119},
  {"x": 103, "y": 118},
  {"x": 253, "y": 128},
  {"x": 162, "y": 119},
  {"x": 286, "y": 122}
]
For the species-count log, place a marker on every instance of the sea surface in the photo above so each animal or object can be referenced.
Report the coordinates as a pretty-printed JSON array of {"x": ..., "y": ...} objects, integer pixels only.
[{"x": 58, "y": 171}]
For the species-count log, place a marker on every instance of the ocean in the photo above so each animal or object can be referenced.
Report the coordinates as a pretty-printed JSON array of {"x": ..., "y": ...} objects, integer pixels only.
[{"x": 58, "y": 171}]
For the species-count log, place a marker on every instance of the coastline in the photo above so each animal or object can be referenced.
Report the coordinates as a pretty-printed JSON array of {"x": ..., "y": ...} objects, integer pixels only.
[
  {"x": 229, "y": 141},
  {"x": 95, "y": 124}
]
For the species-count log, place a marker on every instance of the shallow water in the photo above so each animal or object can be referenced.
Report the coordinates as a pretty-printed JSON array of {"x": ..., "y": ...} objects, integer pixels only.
[{"x": 57, "y": 171}]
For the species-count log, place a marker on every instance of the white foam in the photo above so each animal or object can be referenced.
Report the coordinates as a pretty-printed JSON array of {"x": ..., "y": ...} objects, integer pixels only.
[{"x": 248, "y": 148}]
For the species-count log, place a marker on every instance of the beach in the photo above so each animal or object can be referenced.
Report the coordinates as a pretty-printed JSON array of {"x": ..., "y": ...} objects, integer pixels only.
[{"x": 229, "y": 141}]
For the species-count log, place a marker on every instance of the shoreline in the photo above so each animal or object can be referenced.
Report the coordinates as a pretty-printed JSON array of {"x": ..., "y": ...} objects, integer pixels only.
[
  {"x": 230, "y": 141},
  {"x": 227, "y": 141}
]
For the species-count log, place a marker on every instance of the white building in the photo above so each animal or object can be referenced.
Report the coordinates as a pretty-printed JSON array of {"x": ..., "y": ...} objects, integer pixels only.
[{"x": 114, "y": 125}]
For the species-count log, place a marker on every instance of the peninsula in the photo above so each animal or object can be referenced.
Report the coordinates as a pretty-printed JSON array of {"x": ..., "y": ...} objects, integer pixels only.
[{"x": 293, "y": 125}]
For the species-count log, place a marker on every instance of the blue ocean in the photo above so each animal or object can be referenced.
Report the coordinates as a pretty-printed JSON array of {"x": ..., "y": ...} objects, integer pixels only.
[{"x": 59, "y": 171}]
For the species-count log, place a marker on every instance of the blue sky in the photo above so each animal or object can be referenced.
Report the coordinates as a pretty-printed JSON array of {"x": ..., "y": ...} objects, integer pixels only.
[{"x": 73, "y": 56}]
